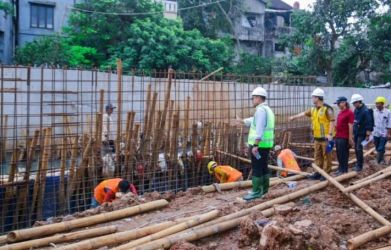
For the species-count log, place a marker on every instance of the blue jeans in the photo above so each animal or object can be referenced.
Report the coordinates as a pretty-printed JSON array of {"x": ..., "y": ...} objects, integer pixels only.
[
  {"x": 94, "y": 202},
  {"x": 380, "y": 143}
]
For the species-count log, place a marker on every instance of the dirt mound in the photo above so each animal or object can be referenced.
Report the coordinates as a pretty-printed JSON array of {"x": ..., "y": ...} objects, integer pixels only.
[{"x": 183, "y": 245}]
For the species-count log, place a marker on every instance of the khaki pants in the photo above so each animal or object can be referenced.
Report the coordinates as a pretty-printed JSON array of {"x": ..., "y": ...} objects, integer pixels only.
[{"x": 322, "y": 159}]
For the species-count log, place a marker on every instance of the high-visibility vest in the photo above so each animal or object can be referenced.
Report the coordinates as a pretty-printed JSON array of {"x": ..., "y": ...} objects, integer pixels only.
[
  {"x": 232, "y": 173},
  {"x": 268, "y": 134},
  {"x": 320, "y": 122},
  {"x": 99, "y": 191},
  {"x": 288, "y": 159}
]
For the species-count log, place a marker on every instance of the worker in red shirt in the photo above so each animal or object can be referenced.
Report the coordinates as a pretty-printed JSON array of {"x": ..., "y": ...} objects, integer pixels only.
[
  {"x": 344, "y": 134},
  {"x": 107, "y": 189}
]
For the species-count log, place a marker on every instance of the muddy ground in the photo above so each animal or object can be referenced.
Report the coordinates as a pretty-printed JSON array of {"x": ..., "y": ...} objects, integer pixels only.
[{"x": 321, "y": 220}]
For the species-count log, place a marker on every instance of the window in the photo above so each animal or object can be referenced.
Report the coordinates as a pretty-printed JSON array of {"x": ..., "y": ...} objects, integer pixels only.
[
  {"x": 279, "y": 47},
  {"x": 41, "y": 16},
  {"x": 252, "y": 20}
]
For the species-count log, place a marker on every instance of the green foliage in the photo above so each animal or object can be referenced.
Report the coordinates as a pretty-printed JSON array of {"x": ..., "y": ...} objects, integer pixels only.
[
  {"x": 158, "y": 44},
  {"x": 253, "y": 65},
  {"x": 54, "y": 51},
  {"x": 379, "y": 37},
  {"x": 6, "y": 7}
]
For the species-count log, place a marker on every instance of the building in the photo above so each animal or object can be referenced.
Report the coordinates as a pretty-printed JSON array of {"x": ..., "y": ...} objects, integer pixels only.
[
  {"x": 33, "y": 19},
  {"x": 262, "y": 23},
  {"x": 6, "y": 35}
]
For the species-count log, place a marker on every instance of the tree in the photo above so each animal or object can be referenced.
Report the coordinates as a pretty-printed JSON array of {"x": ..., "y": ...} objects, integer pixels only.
[
  {"x": 55, "y": 51},
  {"x": 379, "y": 36},
  {"x": 253, "y": 65},
  {"x": 159, "y": 44}
]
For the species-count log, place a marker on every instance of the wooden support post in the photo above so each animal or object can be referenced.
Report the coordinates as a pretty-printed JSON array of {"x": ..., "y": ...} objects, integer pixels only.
[{"x": 354, "y": 198}]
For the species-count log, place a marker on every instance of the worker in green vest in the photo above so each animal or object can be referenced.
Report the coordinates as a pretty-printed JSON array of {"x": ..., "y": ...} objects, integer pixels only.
[{"x": 260, "y": 141}]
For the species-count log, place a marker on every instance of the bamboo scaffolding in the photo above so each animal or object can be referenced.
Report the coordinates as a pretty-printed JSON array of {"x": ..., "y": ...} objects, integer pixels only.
[
  {"x": 36, "y": 232},
  {"x": 247, "y": 184},
  {"x": 200, "y": 232},
  {"x": 360, "y": 240},
  {"x": 121, "y": 237},
  {"x": 383, "y": 171},
  {"x": 60, "y": 238},
  {"x": 354, "y": 198},
  {"x": 367, "y": 182},
  {"x": 171, "y": 230},
  {"x": 282, "y": 199}
]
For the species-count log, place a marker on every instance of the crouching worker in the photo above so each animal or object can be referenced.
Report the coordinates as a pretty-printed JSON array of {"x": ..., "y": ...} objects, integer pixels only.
[
  {"x": 286, "y": 159},
  {"x": 106, "y": 190},
  {"x": 224, "y": 174}
]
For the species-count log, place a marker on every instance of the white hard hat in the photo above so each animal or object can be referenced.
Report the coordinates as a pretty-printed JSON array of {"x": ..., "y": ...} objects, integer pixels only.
[
  {"x": 277, "y": 148},
  {"x": 259, "y": 91},
  {"x": 356, "y": 98},
  {"x": 318, "y": 92}
]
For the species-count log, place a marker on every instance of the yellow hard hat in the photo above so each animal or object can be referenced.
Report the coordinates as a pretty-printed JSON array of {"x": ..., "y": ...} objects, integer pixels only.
[
  {"x": 381, "y": 99},
  {"x": 211, "y": 165}
]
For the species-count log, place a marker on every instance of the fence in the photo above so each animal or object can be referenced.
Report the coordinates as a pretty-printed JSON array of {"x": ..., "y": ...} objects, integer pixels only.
[{"x": 164, "y": 130}]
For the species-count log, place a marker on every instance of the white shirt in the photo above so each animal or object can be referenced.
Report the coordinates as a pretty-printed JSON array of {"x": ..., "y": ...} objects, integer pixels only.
[
  {"x": 107, "y": 128},
  {"x": 382, "y": 122}
]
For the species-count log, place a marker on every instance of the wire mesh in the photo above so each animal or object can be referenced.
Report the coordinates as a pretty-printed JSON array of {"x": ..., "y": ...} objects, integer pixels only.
[{"x": 57, "y": 144}]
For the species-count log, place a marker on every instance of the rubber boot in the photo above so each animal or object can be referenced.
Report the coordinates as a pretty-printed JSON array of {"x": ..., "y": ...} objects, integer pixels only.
[
  {"x": 266, "y": 183},
  {"x": 380, "y": 158},
  {"x": 257, "y": 189}
]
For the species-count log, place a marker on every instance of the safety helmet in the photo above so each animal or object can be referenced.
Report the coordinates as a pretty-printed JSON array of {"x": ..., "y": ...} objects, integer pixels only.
[
  {"x": 277, "y": 148},
  {"x": 318, "y": 92},
  {"x": 259, "y": 91},
  {"x": 211, "y": 166},
  {"x": 356, "y": 98},
  {"x": 381, "y": 99}
]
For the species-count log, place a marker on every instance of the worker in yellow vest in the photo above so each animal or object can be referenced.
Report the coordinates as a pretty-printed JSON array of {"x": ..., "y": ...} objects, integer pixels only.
[
  {"x": 323, "y": 124},
  {"x": 224, "y": 174},
  {"x": 260, "y": 141},
  {"x": 286, "y": 159}
]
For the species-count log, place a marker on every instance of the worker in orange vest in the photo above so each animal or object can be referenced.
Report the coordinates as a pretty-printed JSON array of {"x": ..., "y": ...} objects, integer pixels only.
[
  {"x": 224, "y": 173},
  {"x": 286, "y": 159},
  {"x": 107, "y": 189}
]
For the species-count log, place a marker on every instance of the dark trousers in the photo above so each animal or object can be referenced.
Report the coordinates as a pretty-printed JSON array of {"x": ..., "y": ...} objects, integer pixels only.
[
  {"x": 260, "y": 167},
  {"x": 342, "y": 146},
  {"x": 359, "y": 150},
  {"x": 380, "y": 143}
]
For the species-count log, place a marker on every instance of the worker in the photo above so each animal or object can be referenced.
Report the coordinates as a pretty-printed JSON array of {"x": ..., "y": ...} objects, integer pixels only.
[
  {"x": 382, "y": 129},
  {"x": 224, "y": 174},
  {"x": 107, "y": 190},
  {"x": 322, "y": 117},
  {"x": 260, "y": 142},
  {"x": 286, "y": 159},
  {"x": 107, "y": 128},
  {"x": 362, "y": 128},
  {"x": 344, "y": 134}
]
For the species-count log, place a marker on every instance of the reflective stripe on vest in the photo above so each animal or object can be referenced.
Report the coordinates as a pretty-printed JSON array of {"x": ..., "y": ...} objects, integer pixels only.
[
  {"x": 268, "y": 133},
  {"x": 320, "y": 122}
]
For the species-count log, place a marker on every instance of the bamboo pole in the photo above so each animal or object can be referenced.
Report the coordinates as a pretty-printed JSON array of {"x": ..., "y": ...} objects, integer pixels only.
[
  {"x": 367, "y": 182},
  {"x": 282, "y": 199},
  {"x": 247, "y": 184},
  {"x": 61, "y": 195},
  {"x": 211, "y": 74},
  {"x": 187, "y": 123},
  {"x": 121, "y": 237},
  {"x": 360, "y": 240},
  {"x": 101, "y": 101},
  {"x": 119, "y": 118},
  {"x": 148, "y": 105},
  {"x": 47, "y": 150},
  {"x": 4, "y": 138},
  {"x": 197, "y": 233},
  {"x": 72, "y": 171},
  {"x": 269, "y": 166},
  {"x": 354, "y": 198},
  {"x": 372, "y": 175},
  {"x": 169, "y": 127},
  {"x": 60, "y": 238},
  {"x": 32, "y": 233},
  {"x": 171, "y": 230}
]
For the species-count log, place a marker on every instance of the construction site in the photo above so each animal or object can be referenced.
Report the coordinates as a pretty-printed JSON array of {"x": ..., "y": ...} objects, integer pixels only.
[{"x": 166, "y": 127}]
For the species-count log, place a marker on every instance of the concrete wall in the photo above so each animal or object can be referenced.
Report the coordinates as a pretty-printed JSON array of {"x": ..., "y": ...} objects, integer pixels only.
[{"x": 27, "y": 34}]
